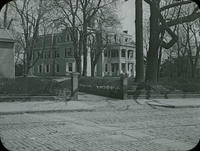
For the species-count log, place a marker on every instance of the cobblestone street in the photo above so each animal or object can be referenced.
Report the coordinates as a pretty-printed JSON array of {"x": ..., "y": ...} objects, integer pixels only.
[{"x": 114, "y": 125}]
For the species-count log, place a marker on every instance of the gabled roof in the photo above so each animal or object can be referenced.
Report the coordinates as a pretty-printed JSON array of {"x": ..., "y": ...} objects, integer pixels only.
[{"x": 5, "y": 35}]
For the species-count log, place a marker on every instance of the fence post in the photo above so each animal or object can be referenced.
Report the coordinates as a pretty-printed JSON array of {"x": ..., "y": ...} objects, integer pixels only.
[
  {"x": 74, "y": 86},
  {"x": 124, "y": 86}
]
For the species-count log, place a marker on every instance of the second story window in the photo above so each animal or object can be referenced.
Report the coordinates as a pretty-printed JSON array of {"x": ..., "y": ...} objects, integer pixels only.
[
  {"x": 69, "y": 52},
  {"x": 56, "y": 54},
  {"x": 130, "y": 54},
  {"x": 123, "y": 53},
  {"x": 114, "y": 53}
]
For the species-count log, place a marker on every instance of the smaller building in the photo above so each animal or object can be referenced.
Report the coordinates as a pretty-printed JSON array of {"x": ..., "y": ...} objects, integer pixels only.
[
  {"x": 119, "y": 55},
  {"x": 7, "y": 61}
]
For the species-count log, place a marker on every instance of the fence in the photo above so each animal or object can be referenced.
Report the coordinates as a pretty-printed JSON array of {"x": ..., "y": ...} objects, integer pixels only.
[{"x": 115, "y": 87}]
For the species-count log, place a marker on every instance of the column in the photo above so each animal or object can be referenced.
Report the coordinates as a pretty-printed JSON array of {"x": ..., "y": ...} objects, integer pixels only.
[
  {"x": 66, "y": 67},
  {"x": 120, "y": 67},
  {"x": 110, "y": 69},
  {"x": 126, "y": 68},
  {"x": 74, "y": 86},
  {"x": 124, "y": 86},
  {"x": 73, "y": 67}
]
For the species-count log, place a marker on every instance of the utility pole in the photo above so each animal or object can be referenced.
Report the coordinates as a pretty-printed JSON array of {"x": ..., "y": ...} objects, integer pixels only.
[{"x": 139, "y": 41}]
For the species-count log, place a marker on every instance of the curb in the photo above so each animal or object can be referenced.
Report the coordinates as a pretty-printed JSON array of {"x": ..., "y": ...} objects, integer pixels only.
[
  {"x": 25, "y": 98},
  {"x": 158, "y": 104},
  {"x": 47, "y": 111}
]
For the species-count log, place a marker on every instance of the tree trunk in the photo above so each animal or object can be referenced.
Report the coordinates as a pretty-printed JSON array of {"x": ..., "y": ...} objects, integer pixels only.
[
  {"x": 92, "y": 69},
  {"x": 5, "y": 18},
  {"x": 85, "y": 51},
  {"x": 139, "y": 41},
  {"x": 78, "y": 65},
  {"x": 152, "y": 55},
  {"x": 159, "y": 62},
  {"x": 84, "y": 59}
]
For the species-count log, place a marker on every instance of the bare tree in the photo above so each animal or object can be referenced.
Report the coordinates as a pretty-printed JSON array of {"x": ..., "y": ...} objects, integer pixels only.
[
  {"x": 89, "y": 10},
  {"x": 159, "y": 25},
  {"x": 78, "y": 16},
  {"x": 30, "y": 15},
  {"x": 97, "y": 40},
  {"x": 69, "y": 10}
]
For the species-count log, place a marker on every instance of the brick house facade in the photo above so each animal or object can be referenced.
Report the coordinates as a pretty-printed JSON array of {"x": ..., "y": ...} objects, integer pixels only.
[{"x": 53, "y": 55}]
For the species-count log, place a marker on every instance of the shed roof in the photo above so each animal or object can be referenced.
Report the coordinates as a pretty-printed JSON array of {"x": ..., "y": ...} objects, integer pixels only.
[{"x": 6, "y": 36}]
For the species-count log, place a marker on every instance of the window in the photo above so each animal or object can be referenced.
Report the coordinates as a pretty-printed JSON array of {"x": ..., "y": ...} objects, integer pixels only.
[
  {"x": 113, "y": 67},
  {"x": 130, "y": 54},
  {"x": 123, "y": 53},
  {"x": 115, "y": 38},
  {"x": 56, "y": 54},
  {"x": 130, "y": 67},
  {"x": 40, "y": 68},
  {"x": 106, "y": 67},
  {"x": 70, "y": 67},
  {"x": 123, "y": 67},
  {"x": 106, "y": 53},
  {"x": 47, "y": 68},
  {"x": 69, "y": 52},
  {"x": 57, "y": 67},
  {"x": 114, "y": 53}
]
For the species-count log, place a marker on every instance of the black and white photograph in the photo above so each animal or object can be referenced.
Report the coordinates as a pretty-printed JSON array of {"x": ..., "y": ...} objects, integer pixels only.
[{"x": 99, "y": 75}]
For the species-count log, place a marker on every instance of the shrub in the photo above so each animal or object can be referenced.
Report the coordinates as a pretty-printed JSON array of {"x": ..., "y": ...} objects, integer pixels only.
[
  {"x": 31, "y": 86},
  {"x": 185, "y": 85}
]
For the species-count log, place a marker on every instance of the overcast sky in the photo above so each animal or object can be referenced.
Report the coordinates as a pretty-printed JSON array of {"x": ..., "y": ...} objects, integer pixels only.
[{"x": 127, "y": 15}]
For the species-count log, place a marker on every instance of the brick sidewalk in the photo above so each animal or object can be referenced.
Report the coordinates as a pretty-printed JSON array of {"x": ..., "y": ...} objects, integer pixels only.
[{"x": 114, "y": 125}]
